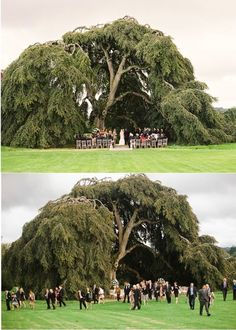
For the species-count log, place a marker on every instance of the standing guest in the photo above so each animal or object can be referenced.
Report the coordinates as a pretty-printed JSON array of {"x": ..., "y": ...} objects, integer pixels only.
[
  {"x": 95, "y": 294},
  {"x": 204, "y": 298},
  {"x": 81, "y": 299},
  {"x": 89, "y": 297},
  {"x": 144, "y": 291},
  {"x": 47, "y": 298},
  {"x": 168, "y": 291},
  {"x": 192, "y": 295},
  {"x": 61, "y": 296},
  {"x": 31, "y": 299},
  {"x": 161, "y": 292},
  {"x": 117, "y": 292},
  {"x": 131, "y": 298},
  {"x": 137, "y": 298},
  {"x": 234, "y": 289},
  {"x": 14, "y": 301},
  {"x": 22, "y": 298},
  {"x": 224, "y": 288},
  {"x": 8, "y": 299},
  {"x": 18, "y": 296},
  {"x": 56, "y": 296},
  {"x": 52, "y": 298},
  {"x": 149, "y": 289},
  {"x": 126, "y": 292},
  {"x": 101, "y": 295},
  {"x": 176, "y": 292}
]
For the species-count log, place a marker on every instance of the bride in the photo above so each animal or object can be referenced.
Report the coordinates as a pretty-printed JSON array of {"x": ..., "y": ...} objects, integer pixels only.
[{"x": 122, "y": 138}]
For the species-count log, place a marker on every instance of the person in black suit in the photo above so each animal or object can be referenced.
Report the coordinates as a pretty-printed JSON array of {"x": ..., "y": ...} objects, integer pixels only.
[
  {"x": 126, "y": 292},
  {"x": 224, "y": 288},
  {"x": 61, "y": 296},
  {"x": 234, "y": 289},
  {"x": 81, "y": 298},
  {"x": 95, "y": 294},
  {"x": 192, "y": 295},
  {"x": 137, "y": 297},
  {"x": 8, "y": 299},
  {"x": 204, "y": 299}
]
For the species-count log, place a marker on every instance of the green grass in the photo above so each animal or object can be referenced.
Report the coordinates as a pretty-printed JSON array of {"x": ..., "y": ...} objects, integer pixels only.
[
  {"x": 195, "y": 159},
  {"x": 114, "y": 315}
]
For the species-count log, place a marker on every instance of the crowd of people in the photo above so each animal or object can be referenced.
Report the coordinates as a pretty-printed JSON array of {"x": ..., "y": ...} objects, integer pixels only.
[
  {"x": 136, "y": 295},
  {"x": 98, "y": 137}
]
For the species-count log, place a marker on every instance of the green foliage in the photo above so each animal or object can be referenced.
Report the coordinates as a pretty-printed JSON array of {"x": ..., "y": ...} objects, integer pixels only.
[
  {"x": 39, "y": 97},
  {"x": 69, "y": 242}
]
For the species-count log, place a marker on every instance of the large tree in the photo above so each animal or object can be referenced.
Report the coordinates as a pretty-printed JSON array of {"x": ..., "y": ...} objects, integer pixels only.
[
  {"x": 69, "y": 243},
  {"x": 124, "y": 73},
  {"x": 156, "y": 231}
]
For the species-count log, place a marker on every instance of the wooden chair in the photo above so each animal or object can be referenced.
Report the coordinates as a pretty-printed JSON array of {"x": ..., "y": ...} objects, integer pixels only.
[
  {"x": 154, "y": 143},
  {"x": 84, "y": 144},
  {"x": 137, "y": 143},
  {"x": 89, "y": 144},
  {"x": 78, "y": 144},
  {"x": 164, "y": 142},
  {"x": 148, "y": 143},
  {"x": 99, "y": 143},
  {"x": 159, "y": 143},
  {"x": 105, "y": 143},
  {"x": 132, "y": 143}
]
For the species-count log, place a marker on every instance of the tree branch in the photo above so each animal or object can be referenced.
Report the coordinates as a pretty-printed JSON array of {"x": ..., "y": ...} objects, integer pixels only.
[
  {"x": 120, "y": 97},
  {"x": 130, "y": 68},
  {"x": 109, "y": 64},
  {"x": 142, "y": 221},
  {"x": 118, "y": 222}
]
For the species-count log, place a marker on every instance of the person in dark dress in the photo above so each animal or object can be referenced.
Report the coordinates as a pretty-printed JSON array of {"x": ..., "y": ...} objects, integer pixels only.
[
  {"x": 61, "y": 296},
  {"x": 176, "y": 292},
  {"x": 52, "y": 298},
  {"x": 168, "y": 291},
  {"x": 204, "y": 299},
  {"x": 192, "y": 295},
  {"x": 95, "y": 294}
]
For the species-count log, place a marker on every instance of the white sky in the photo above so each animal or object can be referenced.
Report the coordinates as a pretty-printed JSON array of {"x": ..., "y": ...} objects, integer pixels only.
[
  {"x": 203, "y": 30},
  {"x": 211, "y": 196}
]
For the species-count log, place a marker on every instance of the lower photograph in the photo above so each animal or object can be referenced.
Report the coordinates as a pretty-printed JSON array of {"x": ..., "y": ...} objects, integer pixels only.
[{"x": 118, "y": 251}]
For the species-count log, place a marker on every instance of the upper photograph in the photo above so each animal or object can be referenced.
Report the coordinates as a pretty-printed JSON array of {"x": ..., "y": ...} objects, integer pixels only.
[{"x": 142, "y": 88}]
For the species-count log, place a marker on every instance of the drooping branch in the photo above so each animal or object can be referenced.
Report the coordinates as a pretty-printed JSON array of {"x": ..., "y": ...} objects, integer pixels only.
[
  {"x": 144, "y": 96},
  {"x": 141, "y": 246},
  {"x": 131, "y": 67}
]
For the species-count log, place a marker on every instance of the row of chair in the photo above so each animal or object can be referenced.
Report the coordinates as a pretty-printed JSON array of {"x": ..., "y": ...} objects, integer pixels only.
[
  {"x": 153, "y": 143},
  {"x": 94, "y": 143}
]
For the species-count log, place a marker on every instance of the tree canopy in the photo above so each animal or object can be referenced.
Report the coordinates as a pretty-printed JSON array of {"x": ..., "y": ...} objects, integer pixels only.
[
  {"x": 132, "y": 228},
  {"x": 120, "y": 74}
]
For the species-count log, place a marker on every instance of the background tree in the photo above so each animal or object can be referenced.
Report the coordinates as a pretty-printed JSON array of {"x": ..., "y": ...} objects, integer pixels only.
[
  {"x": 124, "y": 73},
  {"x": 69, "y": 242},
  {"x": 156, "y": 231}
]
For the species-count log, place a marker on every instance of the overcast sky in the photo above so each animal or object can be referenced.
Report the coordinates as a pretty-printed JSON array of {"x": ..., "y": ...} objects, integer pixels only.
[
  {"x": 211, "y": 196},
  {"x": 203, "y": 30}
]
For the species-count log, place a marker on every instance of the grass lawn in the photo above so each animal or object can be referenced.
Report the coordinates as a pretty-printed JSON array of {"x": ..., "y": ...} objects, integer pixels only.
[
  {"x": 195, "y": 159},
  {"x": 114, "y": 315}
]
